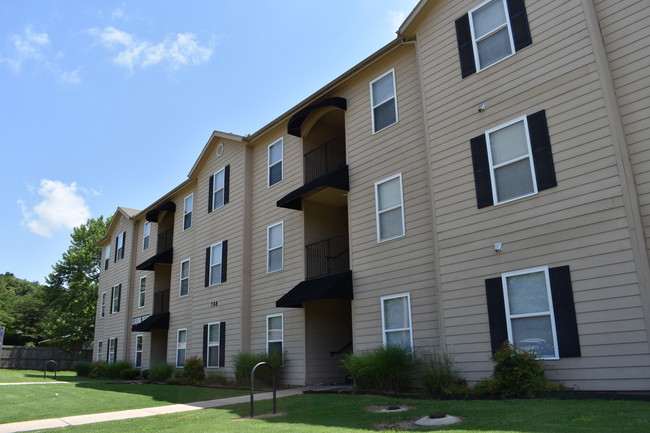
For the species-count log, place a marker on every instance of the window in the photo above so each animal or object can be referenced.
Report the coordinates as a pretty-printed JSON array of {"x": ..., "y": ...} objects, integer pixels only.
[
  {"x": 396, "y": 320},
  {"x": 275, "y": 161},
  {"x": 390, "y": 208},
  {"x": 214, "y": 339},
  {"x": 100, "y": 345},
  {"x": 492, "y": 31},
  {"x": 215, "y": 263},
  {"x": 188, "y": 205},
  {"x": 138, "y": 351},
  {"x": 146, "y": 236},
  {"x": 218, "y": 189},
  {"x": 111, "y": 356},
  {"x": 534, "y": 310},
  {"x": 184, "y": 286},
  {"x": 143, "y": 292},
  {"x": 119, "y": 246},
  {"x": 383, "y": 101},
  {"x": 181, "y": 347},
  {"x": 107, "y": 256},
  {"x": 275, "y": 333},
  {"x": 116, "y": 295},
  {"x": 102, "y": 305},
  {"x": 274, "y": 247},
  {"x": 513, "y": 160}
]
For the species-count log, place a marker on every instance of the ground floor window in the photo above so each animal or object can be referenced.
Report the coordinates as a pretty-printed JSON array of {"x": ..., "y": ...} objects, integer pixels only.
[
  {"x": 275, "y": 333},
  {"x": 396, "y": 320},
  {"x": 100, "y": 345},
  {"x": 138, "y": 351},
  {"x": 214, "y": 344},
  {"x": 181, "y": 347},
  {"x": 112, "y": 351}
]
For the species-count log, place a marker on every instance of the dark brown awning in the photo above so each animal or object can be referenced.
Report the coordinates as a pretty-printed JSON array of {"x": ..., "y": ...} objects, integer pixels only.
[
  {"x": 337, "y": 286},
  {"x": 339, "y": 179},
  {"x": 155, "y": 321},
  {"x": 152, "y": 215},
  {"x": 293, "y": 127}
]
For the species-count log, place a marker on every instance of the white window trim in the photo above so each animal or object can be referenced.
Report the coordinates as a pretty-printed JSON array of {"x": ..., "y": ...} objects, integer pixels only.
[
  {"x": 372, "y": 106},
  {"x": 269, "y": 249},
  {"x": 120, "y": 240},
  {"x": 180, "y": 278},
  {"x": 281, "y": 340},
  {"x": 146, "y": 238},
  {"x": 178, "y": 345},
  {"x": 135, "y": 359},
  {"x": 215, "y": 264},
  {"x": 550, "y": 313},
  {"x": 112, "y": 351},
  {"x": 185, "y": 211},
  {"x": 215, "y": 190},
  {"x": 102, "y": 305},
  {"x": 269, "y": 165},
  {"x": 100, "y": 355},
  {"x": 493, "y": 167},
  {"x": 383, "y": 317},
  {"x": 401, "y": 205},
  {"x": 107, "y": 258},
  {"x": 142, "y": 299},
  {"x": 115, "y": 299},
  {"x": 508, "y": 24},
  {"x": 212, "y": 345}
]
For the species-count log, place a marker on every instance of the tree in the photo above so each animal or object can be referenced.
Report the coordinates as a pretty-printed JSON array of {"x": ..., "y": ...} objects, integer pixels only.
[
  {"x": 22, "y": 308},
  {"x": 71, "y": 287}
]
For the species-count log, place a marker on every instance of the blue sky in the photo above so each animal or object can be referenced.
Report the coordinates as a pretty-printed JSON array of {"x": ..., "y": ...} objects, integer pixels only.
[{"x": 95, "y": 97}]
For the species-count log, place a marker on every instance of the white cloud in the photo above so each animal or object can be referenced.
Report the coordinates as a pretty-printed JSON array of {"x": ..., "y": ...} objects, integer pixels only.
[
  {"x": 72, "y": 77},
  {"x": 26, "y": 46},
  {"x": 396, "y": 19},
  {"x": 62, "y": 206},
  {"x": 181, "y": 50}
]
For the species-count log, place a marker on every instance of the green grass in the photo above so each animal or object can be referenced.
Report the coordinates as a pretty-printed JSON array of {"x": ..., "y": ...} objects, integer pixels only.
[
  {"x": 346, "y": 413},
  {"x": 16, "y": 376}
]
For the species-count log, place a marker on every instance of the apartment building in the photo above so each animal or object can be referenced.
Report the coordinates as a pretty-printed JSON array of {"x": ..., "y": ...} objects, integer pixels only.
[{"x": 481, "y": 178}]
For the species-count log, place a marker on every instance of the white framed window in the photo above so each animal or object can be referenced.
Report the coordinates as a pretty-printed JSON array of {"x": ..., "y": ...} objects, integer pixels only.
[
  {"x": 510, "y": 159},
  {"x": 181, "y": 347},
  {"x": 383, "y": 101},
  {"x": 100, "y": 347},
  {"x": 146, "y": 235},
  {"x": 138, "y": 351},
  {"x": 390, "y": 208},
  {"x": 219, "y": 189},
  {"x": 275, "y": 333},
  {"x": 102, "y": 305},
  {"x": 142, "y": 293},
  {"x": 115, "y": 298},
  {"x": 396, "y": 320},
  {"x": 184, "y": 284},
  {"x": 214, "y": 344},
  {"x": 107, "y": 256},
  {"x": 275, "y": 159},
  {"x": 216, "y": 262},
  {"x": 188, "y": 206},
  {"x": 491, "y": 33},
  {"x": 275, "y": 247},
  {"x": 119, "y": 252},
  {"x": 529, "y": 311},
  {"x": 112, "y": 351}
]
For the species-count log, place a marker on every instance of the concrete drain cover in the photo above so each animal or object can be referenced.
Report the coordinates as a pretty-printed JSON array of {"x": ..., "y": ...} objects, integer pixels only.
[
  {"x": 391, "y": 409},
  {"x": 437, "y": 419}
]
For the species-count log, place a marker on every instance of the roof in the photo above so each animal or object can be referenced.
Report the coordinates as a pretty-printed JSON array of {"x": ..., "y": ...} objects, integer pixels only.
[{"x": 124, "y": 211}]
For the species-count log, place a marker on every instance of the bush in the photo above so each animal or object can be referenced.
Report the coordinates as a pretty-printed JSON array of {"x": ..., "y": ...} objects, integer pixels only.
[
  {"x": 438, "y": 374},
  {"x": 114, "y": 371},
  {"x": 83, "y": 368},
  {"x": 192, "y": 374},
  {"x": 217, "y": 378},
  {"x": 99, "y": 369},
  {"x": 161, "y": 372},
  {"x": 245, "y": 361},
  {"x": 130, "y": 373},
  {"x": 386, "y": 369},
  {"x": 144, "y": 374}
]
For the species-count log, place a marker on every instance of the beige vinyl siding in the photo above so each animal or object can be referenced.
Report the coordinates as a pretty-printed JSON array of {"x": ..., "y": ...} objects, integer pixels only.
[{"x": 580, "y": 223}]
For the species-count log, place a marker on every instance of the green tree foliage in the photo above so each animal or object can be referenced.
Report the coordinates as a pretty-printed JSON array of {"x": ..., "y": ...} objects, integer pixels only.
[
  {"x": 22, "y": 307},
  {"x": 71, "y": 288}
]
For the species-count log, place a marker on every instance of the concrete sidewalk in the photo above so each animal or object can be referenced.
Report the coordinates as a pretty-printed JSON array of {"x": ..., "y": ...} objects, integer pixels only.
[{"x": 141, "y": 413}]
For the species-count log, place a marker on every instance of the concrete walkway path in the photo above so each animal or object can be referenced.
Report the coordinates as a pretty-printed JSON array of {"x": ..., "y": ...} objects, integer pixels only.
[{"x": 140, "y": 413}]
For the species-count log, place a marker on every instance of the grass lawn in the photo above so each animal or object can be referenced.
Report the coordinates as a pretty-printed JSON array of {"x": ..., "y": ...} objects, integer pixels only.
[
  {"x": 15, "y": 376},
  {"x": 346, "y": 413}
]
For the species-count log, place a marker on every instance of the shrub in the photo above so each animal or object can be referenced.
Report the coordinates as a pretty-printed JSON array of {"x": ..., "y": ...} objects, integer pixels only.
[
  {"x": 192, "y": 374},
  {"x": 161, "y": 372},
  {"x": 99, "y": 369},
  {"x": 114, "y": 371},
  {"x": 438, "y": 374},
  {"x": 144, "y": 374},
  {"x": 83, "y": 368},
  {"x": 130, "y": 373},
  {"x": 245, "y": 361},
  {"x": 216, "y": 378},
  {"x": 386, "y": 369}
]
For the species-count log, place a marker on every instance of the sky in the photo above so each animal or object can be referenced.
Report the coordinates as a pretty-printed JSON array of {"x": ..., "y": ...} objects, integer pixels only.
[{"x": 96, "y": 96}]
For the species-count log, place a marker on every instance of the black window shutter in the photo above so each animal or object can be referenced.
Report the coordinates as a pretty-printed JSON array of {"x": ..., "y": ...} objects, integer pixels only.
[
  {"x": 222, "y": 344},
  {"x": 115, "y": 351},
  {"x": 108, "y": 350},
  {"x": 482, "y": 180},
  {"x": 110, "y": 309},
  {"x": 224, "y": 260},
  {"x": 116, "y": 243},
  {"x": 519, "y": 21},
  {"x": 226, "y": 184},
  {"x": 565, "y": 314},
  {"x": 542, "y": 153},
  {"x": 205, "y": 345},
  {"x": 210, "y": 193},
  {"x": 207, "y": 266},
  {"x": 496, "y": 312},
  {"x": 119, "y": 297},
  {"x": 465, "y": 46},
  {"x": 123, "y": 244}
]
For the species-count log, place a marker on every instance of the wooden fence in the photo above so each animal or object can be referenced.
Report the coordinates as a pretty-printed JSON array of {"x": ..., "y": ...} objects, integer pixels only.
[{"x": 35, "y": 358}]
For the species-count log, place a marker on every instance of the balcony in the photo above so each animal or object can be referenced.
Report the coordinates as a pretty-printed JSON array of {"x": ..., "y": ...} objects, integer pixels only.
[
  {"x": 164, "y": 252},
  {"x": 327, "y": 257},
  {"x": 160, "y": 317}
]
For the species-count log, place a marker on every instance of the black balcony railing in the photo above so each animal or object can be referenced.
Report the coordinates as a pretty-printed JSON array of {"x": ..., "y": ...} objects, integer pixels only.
[
  {"x": 165, "y": 241},
  {"x": 324, "y": 159},
  {"x": 327, "y": 257},
  {"x": 161, "y": 302}
]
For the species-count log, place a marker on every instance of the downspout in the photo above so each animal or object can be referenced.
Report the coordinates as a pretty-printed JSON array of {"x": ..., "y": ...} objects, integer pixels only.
[{"x": 128, "y": 319}]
